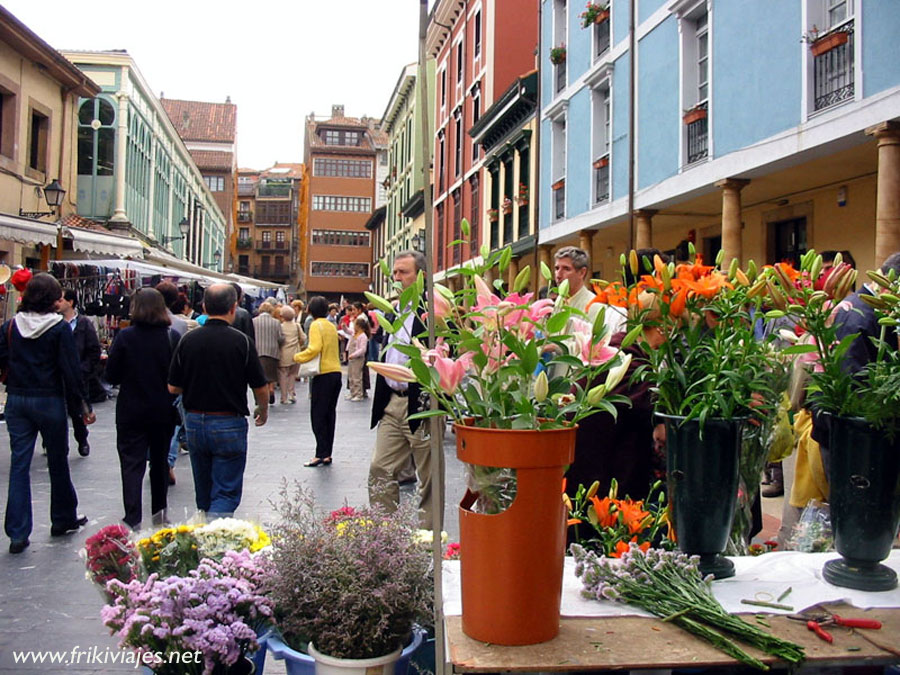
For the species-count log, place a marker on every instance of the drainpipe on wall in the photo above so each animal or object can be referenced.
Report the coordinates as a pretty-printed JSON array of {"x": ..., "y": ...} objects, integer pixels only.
[
  {"x": 536, "y": 144},
  {"x": 631, "y": 70}
]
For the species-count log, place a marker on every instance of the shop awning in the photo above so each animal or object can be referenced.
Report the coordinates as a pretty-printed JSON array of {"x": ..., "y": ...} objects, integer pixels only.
[
  {"x": 26, "y": 230},
  {"x": 91, "y": 241}
]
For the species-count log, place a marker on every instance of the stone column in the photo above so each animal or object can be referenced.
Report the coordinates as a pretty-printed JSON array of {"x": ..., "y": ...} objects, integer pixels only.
[
  {"x": 585, "y": 239},
  {"x": 731, "y": 218},
  {"x": 887, "y": 200},
  {"x": 511, "y": 273},
  {"x": 119, "y": 216},
  {"x": 643, "y": 236}
]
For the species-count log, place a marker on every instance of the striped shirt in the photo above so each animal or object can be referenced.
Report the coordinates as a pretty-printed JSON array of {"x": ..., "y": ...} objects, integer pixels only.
[{"x": 268, "y": 335}]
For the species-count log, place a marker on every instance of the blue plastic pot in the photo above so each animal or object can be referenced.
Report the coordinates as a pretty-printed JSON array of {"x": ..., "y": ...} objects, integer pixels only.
[{"x": 298, "y": 663}]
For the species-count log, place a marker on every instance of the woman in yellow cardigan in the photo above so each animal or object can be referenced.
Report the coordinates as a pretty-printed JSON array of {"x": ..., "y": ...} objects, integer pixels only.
[{"x": 324, "y": 388}]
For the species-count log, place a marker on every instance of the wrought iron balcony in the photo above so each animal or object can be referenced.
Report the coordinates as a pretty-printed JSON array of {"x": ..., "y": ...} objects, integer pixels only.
[
  {"x": 601, "y": 180},
  {"x": 246, "y": 190},
  {"x": 560, "y": 76},
  {"x": 269, "y": 245},
  {"x": 698, "y": 135},
  {"x": 272, "y": 272},
  {"x": 833, "y": 70},
  {"x": 559, "y": 203},
  {"x": 244, "y": 243},
  {"x": 245, "y": 216}
]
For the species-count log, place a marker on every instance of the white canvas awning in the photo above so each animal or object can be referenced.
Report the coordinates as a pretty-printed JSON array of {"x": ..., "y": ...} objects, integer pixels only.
[
  {"x": 91, "y": 241},
  {"x": 26, "y": 230}
]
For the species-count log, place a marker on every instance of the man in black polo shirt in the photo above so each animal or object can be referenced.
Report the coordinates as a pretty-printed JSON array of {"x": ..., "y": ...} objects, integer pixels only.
[{"x": 212, "y": 368}]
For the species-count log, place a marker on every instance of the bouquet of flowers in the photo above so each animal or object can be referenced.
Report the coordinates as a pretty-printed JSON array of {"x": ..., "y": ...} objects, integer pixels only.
[
  {"x": 506, "y": 360},
  {"x": 171, "y": 550},
  {"x": 212, "y": 610},
  {"x": 353, "y": 583},
  {"x": 616, "y": 523},
  {"x": 229, "y": 534},
  {"x": 110, "y": 554}
]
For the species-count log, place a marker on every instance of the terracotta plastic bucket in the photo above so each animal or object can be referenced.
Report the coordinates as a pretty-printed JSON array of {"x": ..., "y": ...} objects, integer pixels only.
[{"x": 511, "y": 563}]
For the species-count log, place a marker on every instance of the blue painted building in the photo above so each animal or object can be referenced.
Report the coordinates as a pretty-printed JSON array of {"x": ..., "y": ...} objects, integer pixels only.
[{"x": 783, "y": 115}]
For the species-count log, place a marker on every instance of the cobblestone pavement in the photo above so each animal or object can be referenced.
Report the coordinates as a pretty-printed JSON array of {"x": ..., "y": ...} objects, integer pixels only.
[{"x": 45, "y": 601}]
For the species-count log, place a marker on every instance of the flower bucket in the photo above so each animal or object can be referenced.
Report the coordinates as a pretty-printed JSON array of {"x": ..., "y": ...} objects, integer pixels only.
[
  {"x": 244, "y": 666},
  {"x": 512, "y": 562},
  {"x": 330, "y": 665},
  {"x": 864, "y": 477},
  {"x": 702, "y": 486},
  {"x": 298, "y": 663}
]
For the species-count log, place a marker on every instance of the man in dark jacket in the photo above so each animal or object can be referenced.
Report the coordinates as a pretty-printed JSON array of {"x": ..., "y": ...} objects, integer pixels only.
[
  {"x": 398, "y": 437},
  {"x": 242, "y": 319},
  {"x": 88, "y": 345}
]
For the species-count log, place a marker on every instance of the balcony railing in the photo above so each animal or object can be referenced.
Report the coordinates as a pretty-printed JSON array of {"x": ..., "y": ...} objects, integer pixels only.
[
  {"x": 269, "y": 245},
  {"x": 560, "y": 76},
  {"x": 246, "y": 190},
  {"x": 274, "y": 191},
  {"x": 833, "y": 71},
  {"x": 243, "y": 270},
  {"x": 559, "y": 203},
  {"x": 601, "y": 180},
  {"x": 244, "y": 243},
  {"x": 272, "y": 272},
  {"x": 698, "y": 137},
  {"x": 245, "y": 216}
]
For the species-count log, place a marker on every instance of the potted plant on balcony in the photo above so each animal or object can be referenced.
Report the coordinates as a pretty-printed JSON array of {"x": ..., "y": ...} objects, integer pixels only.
[
  {"x": 493, "y": 215},
  {"x": 558, "y": 54},
  {"x": 600, "y": 163},
  {"x": 522, "y": 195},
  {"x": 506, "y": 205},
  {"x": 515, "y": 374},
  {"x": 594, "y": 12},
  {"x": 695, "y": 113},
  {"x": 820, "y": 44}
]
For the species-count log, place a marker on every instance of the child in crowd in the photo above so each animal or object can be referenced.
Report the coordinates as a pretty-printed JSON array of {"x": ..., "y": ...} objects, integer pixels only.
[{"x": 357, "y": 348}]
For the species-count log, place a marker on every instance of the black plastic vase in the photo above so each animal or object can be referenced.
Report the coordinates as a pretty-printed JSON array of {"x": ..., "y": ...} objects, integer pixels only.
[
  {"x": 864, "y": 478},
  {"x": 702, "y": 483}
]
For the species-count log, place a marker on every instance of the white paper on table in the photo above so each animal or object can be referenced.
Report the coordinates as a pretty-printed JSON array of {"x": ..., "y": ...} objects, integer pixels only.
[{"x": 763, "y": 577}]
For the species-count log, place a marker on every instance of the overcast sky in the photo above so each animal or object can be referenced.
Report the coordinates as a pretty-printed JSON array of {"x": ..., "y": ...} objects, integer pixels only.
[{"x": 279, "y": 60}]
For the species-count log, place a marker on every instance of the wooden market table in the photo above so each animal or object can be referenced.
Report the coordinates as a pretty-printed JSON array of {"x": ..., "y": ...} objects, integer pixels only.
[{"x": 617, "y": 642}]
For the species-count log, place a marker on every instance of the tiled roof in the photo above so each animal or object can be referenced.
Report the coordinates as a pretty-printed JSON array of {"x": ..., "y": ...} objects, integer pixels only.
[
  {"x": 74, "y": 220},
  {"x": 210, "y": 159},
  {"x": 283, "y": 170},
  {"x": 200, "y": 121}
]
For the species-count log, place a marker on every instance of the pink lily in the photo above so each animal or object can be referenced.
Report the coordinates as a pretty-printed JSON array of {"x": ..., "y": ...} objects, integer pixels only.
[
  {"x": 452, "y": 372},
  {"x": 590, "y": 352},
  {"x": 393, "y": 371}
]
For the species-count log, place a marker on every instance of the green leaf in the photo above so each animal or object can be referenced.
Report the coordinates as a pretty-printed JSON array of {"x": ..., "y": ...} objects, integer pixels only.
[
  {"x": 425, "y": 375},
  {"x": 631, "y": 336},
  {"x": 425, "y": 414},
  {"x": 385, "y": 268},
  {"x": 408, "y": 296},
  {"x": 798, "y": 349},
  {"x": 531, "y": 357},
  {"x": 557, "y": 322}
]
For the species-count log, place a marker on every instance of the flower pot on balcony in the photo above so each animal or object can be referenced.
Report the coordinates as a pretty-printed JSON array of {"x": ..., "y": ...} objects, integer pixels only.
[
  {"x": 601, "y": 17},
  {"x": 694, "y": 115},
  {"x": 600, "y": 163},
  {"x": 507, "y": 208},
  {"x": 557, "y": 56},
  {"x": 558, "y": 185},
  {"x": 828, "y": 42}
]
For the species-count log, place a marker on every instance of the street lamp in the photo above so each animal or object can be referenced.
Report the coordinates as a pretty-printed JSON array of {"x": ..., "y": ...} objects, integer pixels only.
[
  {"x": 183, "y": 227},
  {"x": 217, "y": 258},
  {"x": 54, "y": 194}
]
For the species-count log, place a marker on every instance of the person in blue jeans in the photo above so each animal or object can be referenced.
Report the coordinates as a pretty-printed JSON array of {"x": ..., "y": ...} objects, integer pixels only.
[
  {"x": 212, "y": 368},
  {"x": 43, "y": 378}
]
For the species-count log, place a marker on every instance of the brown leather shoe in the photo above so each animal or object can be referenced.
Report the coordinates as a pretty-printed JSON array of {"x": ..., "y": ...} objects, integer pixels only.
[{"x": 171, "y": 475}]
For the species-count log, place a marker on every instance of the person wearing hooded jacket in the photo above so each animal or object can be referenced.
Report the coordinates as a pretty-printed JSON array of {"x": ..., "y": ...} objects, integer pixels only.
[{"x": 43, "y": 373}]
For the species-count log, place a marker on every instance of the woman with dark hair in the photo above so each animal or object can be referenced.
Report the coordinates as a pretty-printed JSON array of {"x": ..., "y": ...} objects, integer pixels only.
[
  {"x": 43, "y": 377},
  {"x": 324, "y": 388},
  {"x": 145, "y": 415}
]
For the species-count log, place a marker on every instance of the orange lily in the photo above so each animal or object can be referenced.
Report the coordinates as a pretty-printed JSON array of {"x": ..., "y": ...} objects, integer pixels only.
[{"x": 605, "y": 517}]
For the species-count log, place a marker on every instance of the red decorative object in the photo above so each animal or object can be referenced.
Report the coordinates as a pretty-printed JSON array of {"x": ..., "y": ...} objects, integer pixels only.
[
  {"x": 601, "y": 17},
  {"x": 600, "y": 163},
  {"x": 20, "y": 279},
  {"x": 558, "y": 185},
  {"x": 694, "y": 115},
  {"x": 828, "y": 42}
]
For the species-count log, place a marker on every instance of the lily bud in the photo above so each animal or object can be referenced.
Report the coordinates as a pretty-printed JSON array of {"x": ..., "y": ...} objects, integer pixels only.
[
  {"x": 393, "y": 371},
  {"x": 596, "y": 394},
  {"x": 541, "y": 387},
  {"x": 633, "y": 262},
  {"x": 615, "y": 375},
  {"x": 593, "y": 489},
  {"x": 741, "y": 278},
  {"x": 522, "y": 279}
]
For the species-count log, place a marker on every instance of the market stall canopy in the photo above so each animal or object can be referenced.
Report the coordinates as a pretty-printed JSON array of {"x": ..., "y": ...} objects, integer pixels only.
[
  {"x": 26, "y": 230},
  {"x": 91, "y": 241}
]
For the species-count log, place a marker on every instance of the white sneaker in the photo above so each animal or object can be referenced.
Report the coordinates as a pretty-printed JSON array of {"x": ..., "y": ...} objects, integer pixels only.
[{"x": 356, "y": 399}]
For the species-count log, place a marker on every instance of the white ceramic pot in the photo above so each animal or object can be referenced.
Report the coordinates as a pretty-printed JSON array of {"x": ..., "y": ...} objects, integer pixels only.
[{"x": 329, "y": 665}]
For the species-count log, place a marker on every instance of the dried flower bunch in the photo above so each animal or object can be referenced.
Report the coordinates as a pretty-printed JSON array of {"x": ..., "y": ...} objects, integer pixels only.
[{"x": 353, "y": 582}]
